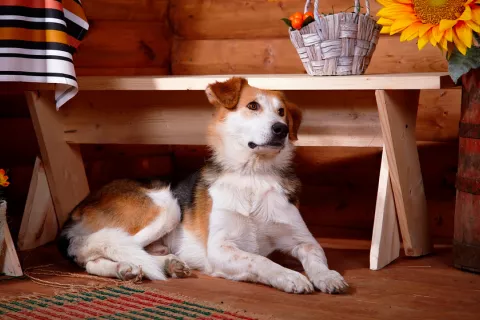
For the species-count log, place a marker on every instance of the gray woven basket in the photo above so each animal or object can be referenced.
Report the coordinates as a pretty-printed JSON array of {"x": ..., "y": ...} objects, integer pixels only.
[{"x": 337, "y": 44}]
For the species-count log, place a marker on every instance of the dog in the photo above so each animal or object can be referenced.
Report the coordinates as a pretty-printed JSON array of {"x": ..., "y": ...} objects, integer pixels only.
[{"x": 223, "y": 220}]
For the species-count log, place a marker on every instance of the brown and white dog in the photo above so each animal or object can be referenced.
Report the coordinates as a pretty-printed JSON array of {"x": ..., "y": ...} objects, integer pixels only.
[{"x": 224, "y": 220}]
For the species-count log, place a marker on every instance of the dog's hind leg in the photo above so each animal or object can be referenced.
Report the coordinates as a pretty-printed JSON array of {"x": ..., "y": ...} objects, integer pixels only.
[
  {"x": 167, "y": 220},
  {"x": 116, "y": 253},
  {"x": 108, "y": 268}
]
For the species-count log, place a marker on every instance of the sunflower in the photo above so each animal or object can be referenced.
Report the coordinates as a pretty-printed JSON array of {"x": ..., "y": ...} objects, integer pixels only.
[{"x": 443, "y": 23}]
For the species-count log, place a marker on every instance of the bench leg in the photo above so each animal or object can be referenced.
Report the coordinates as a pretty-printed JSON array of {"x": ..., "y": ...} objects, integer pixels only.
[
  {"x": 398, "y": 112},
  {"x": 39, "y": 222},
  {"x": 385, "y": 239},
  {"x": 63, "y": 162}
]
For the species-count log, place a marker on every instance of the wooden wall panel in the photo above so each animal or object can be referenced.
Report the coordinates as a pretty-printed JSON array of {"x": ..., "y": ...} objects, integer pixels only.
[
  {"x": 238, "y": 19},
  {"x": 101, "y": 172},
  {"x": 330, "y": 119},
  {"x": 126, "y": 10},
  {"x": 133, "y": 71},
  {"x": 117, "y": 152},
  {"x": 104, "y": 163},
  {"x": 17, "y": 142},
  {"x": 234, "y": 57},
  {"x": 439, "y": 115},
  {"x": 122, "y": 45},
  {"x": 279, "y": 56},
  {"x": 13, "y": 106}
]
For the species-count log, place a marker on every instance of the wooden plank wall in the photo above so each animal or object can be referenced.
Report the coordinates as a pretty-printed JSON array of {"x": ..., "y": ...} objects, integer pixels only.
[
  {"x": 215, "y": 37},
  {"x": 126, "y": 37},
  {"x": 157, "y": 37},
  {"x": 240, "y": 36},
  {"x": 152, "y": 37}
]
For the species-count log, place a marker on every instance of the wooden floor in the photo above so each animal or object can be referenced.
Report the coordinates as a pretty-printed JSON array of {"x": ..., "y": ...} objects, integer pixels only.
[{"x": 424, "y": 288}]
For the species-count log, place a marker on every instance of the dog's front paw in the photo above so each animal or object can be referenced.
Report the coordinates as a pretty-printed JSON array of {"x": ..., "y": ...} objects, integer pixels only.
[
  {"x": 291, "y": 281},
  {"x": 329, "y": 282}
]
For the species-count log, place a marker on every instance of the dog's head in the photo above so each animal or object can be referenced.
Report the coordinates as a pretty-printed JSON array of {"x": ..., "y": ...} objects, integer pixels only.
[{"x": 251, "y": 123}]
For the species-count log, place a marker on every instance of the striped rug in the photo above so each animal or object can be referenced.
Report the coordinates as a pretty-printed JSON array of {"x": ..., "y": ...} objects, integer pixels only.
[
  {"x": 37, "y": 41},
  {"x": 117, "y": 302}
]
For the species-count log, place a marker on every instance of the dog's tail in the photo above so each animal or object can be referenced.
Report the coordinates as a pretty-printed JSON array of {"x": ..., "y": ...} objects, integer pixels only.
[{"x": 119, "y": 246}]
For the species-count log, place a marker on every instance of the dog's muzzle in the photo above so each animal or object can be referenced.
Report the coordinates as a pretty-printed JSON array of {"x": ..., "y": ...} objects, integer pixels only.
[{"x": 277, "y": 141}]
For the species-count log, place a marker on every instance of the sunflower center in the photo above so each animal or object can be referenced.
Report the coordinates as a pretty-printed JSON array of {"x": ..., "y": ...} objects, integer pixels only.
[{"x": 433, "y": 11}]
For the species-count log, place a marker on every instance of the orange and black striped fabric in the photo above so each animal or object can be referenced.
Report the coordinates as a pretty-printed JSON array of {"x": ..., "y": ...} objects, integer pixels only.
[{"x": 37, "y": 41}]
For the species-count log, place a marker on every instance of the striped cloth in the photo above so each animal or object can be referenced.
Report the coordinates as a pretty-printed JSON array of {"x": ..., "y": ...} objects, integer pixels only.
[{"x": 37, "y": 41}]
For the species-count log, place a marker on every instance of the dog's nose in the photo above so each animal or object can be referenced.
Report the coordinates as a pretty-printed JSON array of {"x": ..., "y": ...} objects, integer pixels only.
[{"x": 280, "y": 130}]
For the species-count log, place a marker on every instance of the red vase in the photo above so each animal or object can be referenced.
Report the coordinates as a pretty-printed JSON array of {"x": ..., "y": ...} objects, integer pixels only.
[{"x": 466, "y": 243}]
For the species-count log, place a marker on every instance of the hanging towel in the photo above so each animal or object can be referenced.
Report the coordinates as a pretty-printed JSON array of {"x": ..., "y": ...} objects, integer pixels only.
[{"x": 37, "y": 41}]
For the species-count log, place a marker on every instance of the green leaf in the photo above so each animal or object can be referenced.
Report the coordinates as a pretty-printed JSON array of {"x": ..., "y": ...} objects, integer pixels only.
[
  {"x": 460, "y": 64},
  {"x": 287, "y": 22},
  {"x": 307, "y": 21}
]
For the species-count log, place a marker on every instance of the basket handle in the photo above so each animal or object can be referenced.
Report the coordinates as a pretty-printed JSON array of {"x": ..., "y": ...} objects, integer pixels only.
[{"x": 317, "y": 16}]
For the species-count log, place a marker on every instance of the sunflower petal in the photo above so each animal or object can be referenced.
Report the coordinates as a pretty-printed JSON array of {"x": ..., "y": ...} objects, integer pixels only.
[
  {"x": 395, "y": 11},
  {"x": 411, "y": 32},
  {"x": 385, "y": 30},
  {"x": 476, "y": 15},
  {"x": 422, "y": 41},
  {"x": 437, "y": 34},
  {"x": 447, "y": 24},
  {"x": 400, "y": 25},
  {"x": 444, "y": 44},
  {"x": 465, "y": 34},
  {"x": 467, "y": 14},
  {"x": 385, "y": 22},
  {"x": 449, "y": 35},
  {"x": 475, "y": 27},
  {"x": 386, "y": 3},
  {"x": 413, "y": 36},
  {"x": 459, "y": 44},
  {"x": 424, "y": 28}
]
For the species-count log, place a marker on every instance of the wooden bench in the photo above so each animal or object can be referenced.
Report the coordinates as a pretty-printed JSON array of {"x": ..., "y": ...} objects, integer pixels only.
[{"x": 107, "y": 111}]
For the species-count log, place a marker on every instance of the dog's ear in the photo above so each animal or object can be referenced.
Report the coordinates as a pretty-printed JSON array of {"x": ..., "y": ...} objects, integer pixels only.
[
  {"x": 225, "y": 94},
  {"x": 294, "y": 118}
]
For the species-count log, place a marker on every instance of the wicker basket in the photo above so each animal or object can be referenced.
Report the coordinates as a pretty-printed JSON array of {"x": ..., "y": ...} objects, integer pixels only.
[{"x": 337, "y": 44}]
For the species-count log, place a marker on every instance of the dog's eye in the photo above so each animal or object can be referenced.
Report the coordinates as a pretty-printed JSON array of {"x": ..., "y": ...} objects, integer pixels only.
[
  {"x": 253, "y": 106},
  {"x": 281, "y": 112}
]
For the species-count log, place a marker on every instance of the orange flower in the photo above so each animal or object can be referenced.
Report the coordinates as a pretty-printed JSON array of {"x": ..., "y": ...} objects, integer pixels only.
[{"x": 3, "y": 179}]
